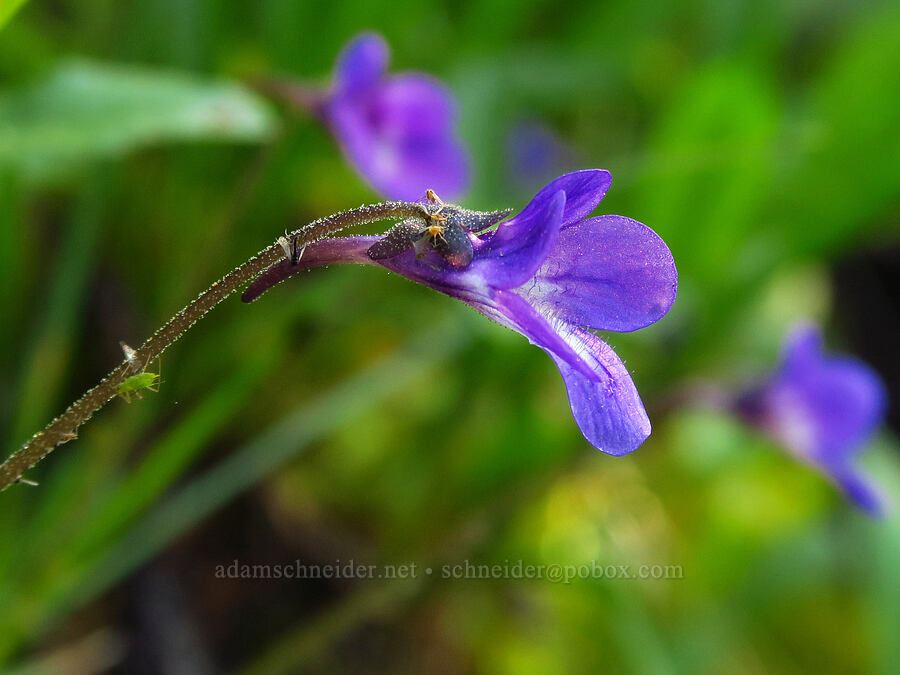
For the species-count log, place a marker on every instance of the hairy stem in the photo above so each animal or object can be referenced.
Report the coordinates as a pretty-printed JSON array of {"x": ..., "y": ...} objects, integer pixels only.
[
  {"x": 65, "y": 427},
  {"x": 302, "y": 98}
]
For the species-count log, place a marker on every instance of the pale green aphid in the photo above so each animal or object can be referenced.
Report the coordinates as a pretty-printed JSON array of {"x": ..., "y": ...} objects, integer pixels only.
[{"x": 136, "y": 383}]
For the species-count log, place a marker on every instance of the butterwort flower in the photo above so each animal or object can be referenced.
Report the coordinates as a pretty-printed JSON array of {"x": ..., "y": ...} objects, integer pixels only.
[
  {"x": 823, "y": 409},
  {"x": 534, "y": 154},
  {"x": 399, "y": 130},
  {"x": 549, "y": 273}
]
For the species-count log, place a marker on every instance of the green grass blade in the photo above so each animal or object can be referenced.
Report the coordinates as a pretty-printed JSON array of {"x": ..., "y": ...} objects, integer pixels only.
[{"x": 8, "y": 8}]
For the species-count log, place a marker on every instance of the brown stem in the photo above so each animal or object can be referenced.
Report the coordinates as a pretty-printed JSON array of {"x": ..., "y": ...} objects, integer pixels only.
[
  {"x": 300, "y": 97},
  {"x": 65, "y": 427}
]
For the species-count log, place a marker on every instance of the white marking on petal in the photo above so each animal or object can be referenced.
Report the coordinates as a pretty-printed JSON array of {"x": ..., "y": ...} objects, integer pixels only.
[{"x": 790, "y": 422}]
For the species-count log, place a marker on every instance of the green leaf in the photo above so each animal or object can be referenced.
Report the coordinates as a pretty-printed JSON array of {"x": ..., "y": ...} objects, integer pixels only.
[
  {"x": 708, "y": 173},
  {"x": 85, "y": 110},
  {"x": 850, "y": 180},
  {"x": 714, "y": 148},
  {"x": 8, "y": 8}
]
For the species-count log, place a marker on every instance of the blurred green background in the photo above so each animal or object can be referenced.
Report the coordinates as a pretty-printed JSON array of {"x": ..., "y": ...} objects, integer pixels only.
[{"x": 353, "y": 415}]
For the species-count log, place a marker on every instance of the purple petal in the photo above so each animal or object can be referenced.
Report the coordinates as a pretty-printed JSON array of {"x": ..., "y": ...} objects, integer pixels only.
[
  {"x": 401, "y": 136},
  {"x": 604, "y": 400},
  {"x": 584, "y": 191},
  {"x": 803, "y": 349},
  {"x": 416, "y": 106},
  {"x": 519, "y": 246},
  {"x": 512, "y": 311},
  {"x": 608, "y": 273},
  {"x": 610, "y": 414},
  {"x": 361, "y": 64}
]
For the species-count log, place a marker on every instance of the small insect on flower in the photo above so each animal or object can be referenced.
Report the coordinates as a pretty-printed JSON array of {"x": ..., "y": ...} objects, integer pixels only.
[
  {"x": 445, "y": 232},
  {"x": 436, "y": 230}
]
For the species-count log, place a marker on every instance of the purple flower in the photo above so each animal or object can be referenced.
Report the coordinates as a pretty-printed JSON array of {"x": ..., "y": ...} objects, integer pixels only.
[
  {"x": 823, "y": 409},
  {"x": 397, "y": 130},
  {"x": 546, "y": 273},
  {"x": 535, "y": 153}
]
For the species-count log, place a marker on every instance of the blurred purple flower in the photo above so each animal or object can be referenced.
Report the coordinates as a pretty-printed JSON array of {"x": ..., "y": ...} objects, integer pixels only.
[
  {"x": 534, "y": 154},
  {"x": 398, "y": 130},
  {"x": 546, "y": 273},
  {"x": 823, "y": 409}
]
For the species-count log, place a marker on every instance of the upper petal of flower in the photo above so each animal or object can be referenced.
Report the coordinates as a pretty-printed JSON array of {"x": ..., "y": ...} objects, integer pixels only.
[
  {"x": 802, "y": 350},
  {"x": 609, "y": 273},
  {"x": 520, "y": 245},
  {"x": 584, "y": 191},
  {"x": 604, "y": 400},
  {"x": 361, "y": 64}
]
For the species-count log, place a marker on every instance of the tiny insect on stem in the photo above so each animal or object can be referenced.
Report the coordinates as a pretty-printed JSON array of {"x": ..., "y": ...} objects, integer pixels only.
[
  {"x": 130, "y": 354},
  {"x": 137, "y": 383}
]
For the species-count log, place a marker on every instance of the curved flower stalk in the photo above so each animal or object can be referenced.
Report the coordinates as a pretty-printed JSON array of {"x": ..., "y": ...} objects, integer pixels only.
[
  {"x": 398, "y": 131},
  {"x": 823, "y": 409},
  {"x": 132, "y": 371},
  {"x": 549, "y": 273}
]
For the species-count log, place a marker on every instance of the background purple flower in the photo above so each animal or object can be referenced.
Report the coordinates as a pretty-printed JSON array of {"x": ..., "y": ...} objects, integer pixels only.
[
  {"x": 823, "y": 408},
  {"x": 534, "y": 154},
  {"x": 549, "y": 273},
  {"x": 398, "y": 130}
]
